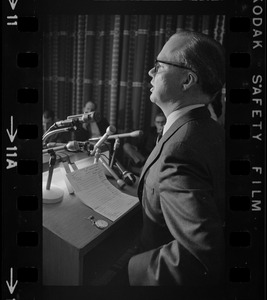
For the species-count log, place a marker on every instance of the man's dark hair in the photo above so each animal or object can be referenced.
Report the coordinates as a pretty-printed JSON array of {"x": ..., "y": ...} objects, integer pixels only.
[
  {"x": 95, "y": 105},
  {"x": 159, "y": 114},
  {"x": 48, "y": 113},
  {"x": 207, "y": 58}
]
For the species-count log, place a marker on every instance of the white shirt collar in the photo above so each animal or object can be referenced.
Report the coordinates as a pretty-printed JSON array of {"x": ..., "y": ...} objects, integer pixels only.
[{"x": 172, "y": 117}]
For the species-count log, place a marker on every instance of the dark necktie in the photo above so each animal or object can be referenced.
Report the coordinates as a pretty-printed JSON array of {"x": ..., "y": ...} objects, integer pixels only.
[{"x": 159, "y": 137}]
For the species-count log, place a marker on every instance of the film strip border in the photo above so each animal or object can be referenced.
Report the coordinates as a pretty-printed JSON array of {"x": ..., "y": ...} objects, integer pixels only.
[
  {"x": 21, "y": 155},
  {"x": 245, "y": 130},
  {"x": 22, "y": 167}
]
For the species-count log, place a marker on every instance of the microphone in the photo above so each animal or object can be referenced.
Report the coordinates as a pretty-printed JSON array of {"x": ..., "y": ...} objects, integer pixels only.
[
  {"x": 136, "y": 133},
  {"x": 54, "y": 144},
  {"x": 120, "y": 182},
  {"x": 57, "y": 148},
  {"x": 115, "y": 147},
  {"x": 86, "y": 117},
  {"x": 72, "y": 146},
  {"x": 111, "y": 129},
  {"x": 72, "y": 120},
  {"x": 127, "y": 176}
]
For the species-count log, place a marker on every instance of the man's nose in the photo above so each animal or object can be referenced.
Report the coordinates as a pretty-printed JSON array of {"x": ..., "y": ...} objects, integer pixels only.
[{"x": 151, "y": 72}]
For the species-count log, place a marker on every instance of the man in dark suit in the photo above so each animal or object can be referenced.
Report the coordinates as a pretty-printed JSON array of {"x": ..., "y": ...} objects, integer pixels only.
[{"x": 181, "y": 187}]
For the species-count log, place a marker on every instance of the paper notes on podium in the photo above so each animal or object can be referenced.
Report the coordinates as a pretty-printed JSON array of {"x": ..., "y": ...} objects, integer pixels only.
[{"x": 93, "y": 189}]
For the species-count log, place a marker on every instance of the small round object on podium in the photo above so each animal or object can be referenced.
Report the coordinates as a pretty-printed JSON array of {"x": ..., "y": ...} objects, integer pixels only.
[{"x": 101, "y": 224}]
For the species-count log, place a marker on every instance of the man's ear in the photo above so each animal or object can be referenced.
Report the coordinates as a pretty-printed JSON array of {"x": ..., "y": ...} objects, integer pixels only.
[{"x": 190, "y": 80}]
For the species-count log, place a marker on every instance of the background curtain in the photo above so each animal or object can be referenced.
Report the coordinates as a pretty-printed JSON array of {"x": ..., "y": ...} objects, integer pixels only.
[{"x": 106, "y": 59}]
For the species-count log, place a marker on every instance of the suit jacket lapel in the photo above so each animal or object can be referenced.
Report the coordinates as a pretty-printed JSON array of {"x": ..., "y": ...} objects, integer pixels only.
[{"x": 193, "y": 114}]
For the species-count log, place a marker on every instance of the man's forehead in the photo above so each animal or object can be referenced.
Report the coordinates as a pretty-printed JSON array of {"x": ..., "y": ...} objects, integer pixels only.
[
  {"x": 170, "y": 49},
  {"x": 89, "y": 105},
  {"x": 160, "y": 118}
]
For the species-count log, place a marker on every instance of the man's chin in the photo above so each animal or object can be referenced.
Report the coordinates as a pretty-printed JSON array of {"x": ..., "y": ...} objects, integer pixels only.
[{"x": 152, "y": 98}]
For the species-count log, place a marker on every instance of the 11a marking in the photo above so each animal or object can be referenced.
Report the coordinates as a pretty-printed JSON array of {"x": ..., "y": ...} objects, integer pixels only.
[
  {"x": 11, "y": 163},
  {"x": 15, "y": 23}
]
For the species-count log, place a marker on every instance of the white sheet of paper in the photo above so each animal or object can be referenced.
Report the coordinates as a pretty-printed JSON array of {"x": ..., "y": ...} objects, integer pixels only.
[{"x": 93, "y": 189}]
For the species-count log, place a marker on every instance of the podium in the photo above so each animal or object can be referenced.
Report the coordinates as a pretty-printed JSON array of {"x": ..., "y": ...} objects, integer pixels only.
[{"x": 75, "y": 252}]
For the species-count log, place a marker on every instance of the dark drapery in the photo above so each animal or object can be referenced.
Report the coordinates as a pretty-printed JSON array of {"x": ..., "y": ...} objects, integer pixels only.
[{"x": 106, "y": 59}]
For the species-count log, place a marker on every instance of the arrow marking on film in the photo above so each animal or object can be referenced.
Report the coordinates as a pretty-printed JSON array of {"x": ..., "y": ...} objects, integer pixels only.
[
  {"x": 10, "y": 285},
  {"x": 11, "y": 134},
  {"x": 13, "y": 3}
]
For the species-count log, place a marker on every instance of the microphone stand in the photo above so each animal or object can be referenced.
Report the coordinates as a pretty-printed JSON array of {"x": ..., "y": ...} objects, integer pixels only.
[
  {"x": 119, "y": 181},
  {"x": 97, "y": 158},
  {"x": 65, "y": 160},
  {"x": 52, "y": 194},
  {"x": 115, "y": 147},
  {"x": 127, "y": 177},
  {"x": 97, "y": 155}
]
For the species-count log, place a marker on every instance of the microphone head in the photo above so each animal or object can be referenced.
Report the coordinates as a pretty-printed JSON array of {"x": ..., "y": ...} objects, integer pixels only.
[
  {"x": 120, "y": 183},
  {"x": 64, "y": 123},
  {"x": 136, "y": 133},
  {"x": 111, "y": 129},
  {"x": 91, "y": 116},
  {"x": 73, "y": 146}
]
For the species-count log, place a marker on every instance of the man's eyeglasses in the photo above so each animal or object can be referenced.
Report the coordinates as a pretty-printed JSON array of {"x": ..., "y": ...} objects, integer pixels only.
[{"x": 156, "y": 65}]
